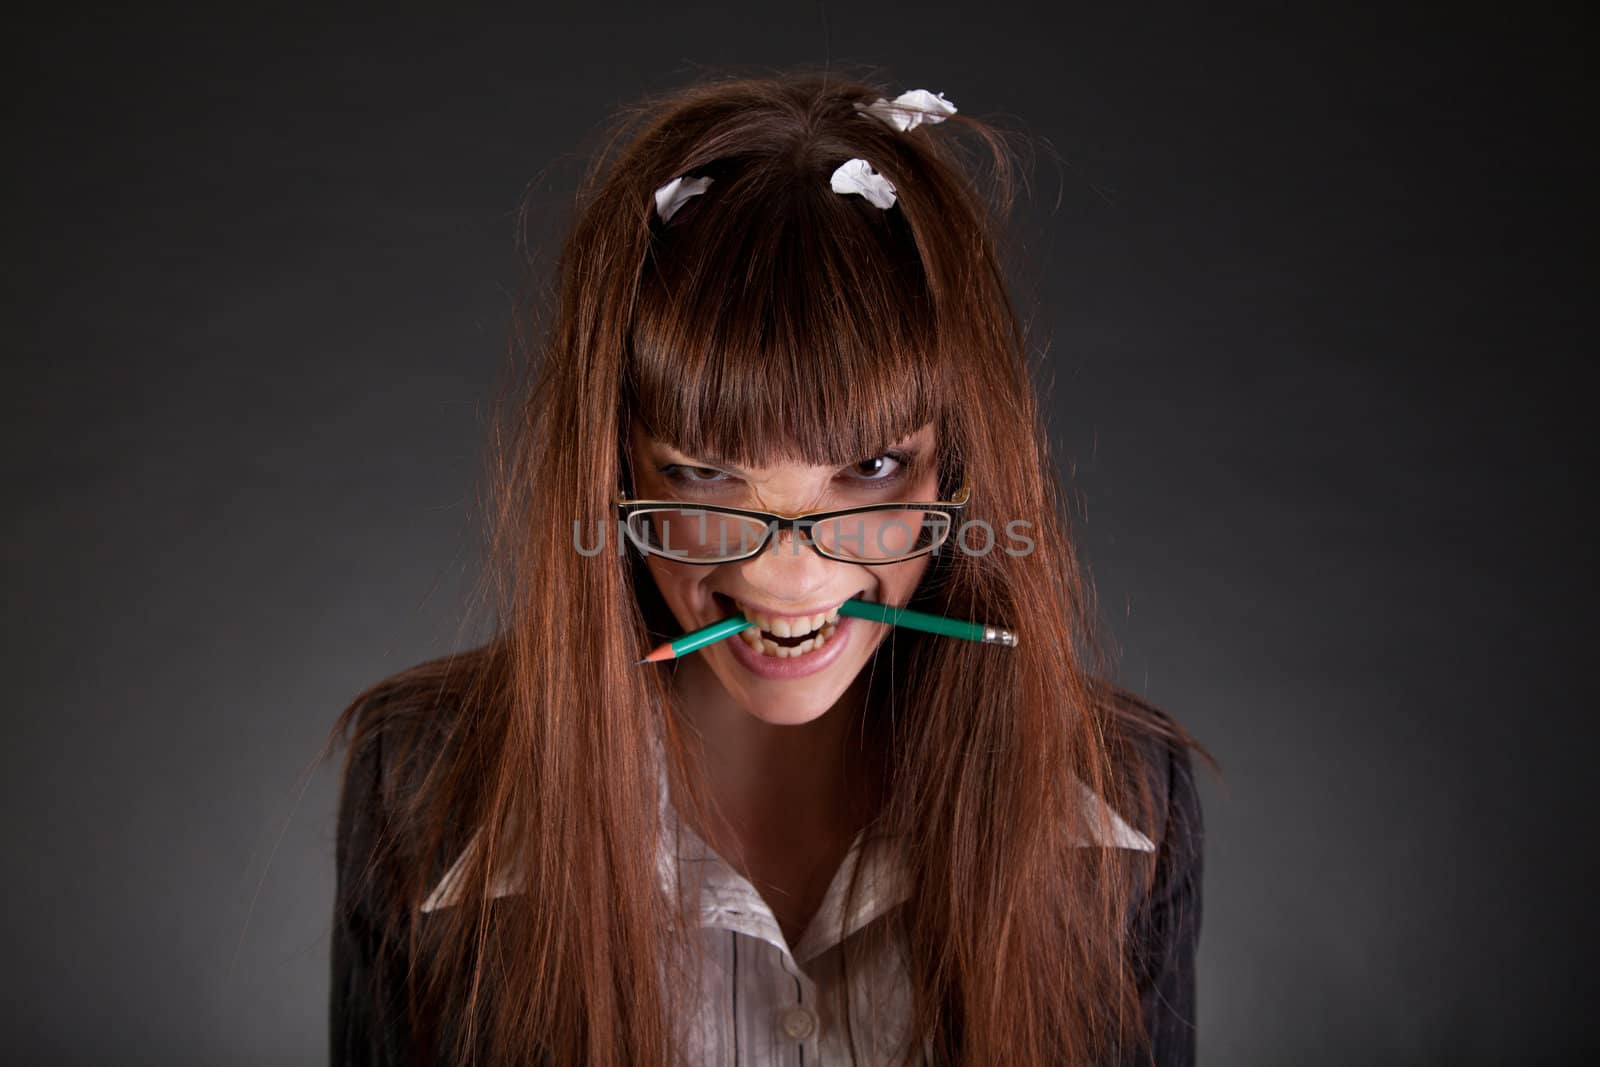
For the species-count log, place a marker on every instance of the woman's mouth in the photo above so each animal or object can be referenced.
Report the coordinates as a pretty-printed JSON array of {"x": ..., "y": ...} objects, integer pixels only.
[
  {"x": 789, "y": 637},
  {"x": 787, "y": 646}
]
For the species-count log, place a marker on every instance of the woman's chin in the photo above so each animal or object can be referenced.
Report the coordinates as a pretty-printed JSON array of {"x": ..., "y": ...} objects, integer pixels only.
[
  {"x": 787, "y": 713},
  {"x": 791, "y": 703}
]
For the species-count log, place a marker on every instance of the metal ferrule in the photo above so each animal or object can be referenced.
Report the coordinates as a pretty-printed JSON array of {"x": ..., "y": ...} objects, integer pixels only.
[{"x": 995, "y": 635}]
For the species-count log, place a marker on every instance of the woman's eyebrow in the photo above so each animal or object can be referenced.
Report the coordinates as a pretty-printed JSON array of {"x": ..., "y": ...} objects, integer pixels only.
[{"x": 709, "y": 460}]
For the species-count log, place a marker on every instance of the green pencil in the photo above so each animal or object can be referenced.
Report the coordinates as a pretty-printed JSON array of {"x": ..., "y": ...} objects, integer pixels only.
[
  {"x": 706, "y": 635},
  {"x": 860, "y": 609},
  {"x": 933, "y": 624}
]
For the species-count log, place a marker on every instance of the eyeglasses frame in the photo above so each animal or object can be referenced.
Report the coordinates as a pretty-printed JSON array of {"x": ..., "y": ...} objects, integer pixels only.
[{"x": 776, "y": 522}]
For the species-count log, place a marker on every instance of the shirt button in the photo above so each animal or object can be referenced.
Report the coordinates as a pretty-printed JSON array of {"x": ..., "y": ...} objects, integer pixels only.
[{"x": 798, "y": 1023}]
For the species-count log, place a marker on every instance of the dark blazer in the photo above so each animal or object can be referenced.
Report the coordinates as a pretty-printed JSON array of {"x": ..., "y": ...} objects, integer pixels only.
[
  {"x": 367, "y": 1005},
  {"x": 1167, "y": 922}
]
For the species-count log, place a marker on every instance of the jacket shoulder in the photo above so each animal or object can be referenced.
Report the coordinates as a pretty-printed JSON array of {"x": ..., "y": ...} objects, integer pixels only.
[
  {"x": 1159, "y": 756},
  {"x": 396, "y": 731},
  {"x": 1165, "y": 919}
]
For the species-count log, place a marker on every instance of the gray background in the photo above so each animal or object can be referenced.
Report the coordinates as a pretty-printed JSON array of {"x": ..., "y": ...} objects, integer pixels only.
[{"x": 1307, "y": 287}]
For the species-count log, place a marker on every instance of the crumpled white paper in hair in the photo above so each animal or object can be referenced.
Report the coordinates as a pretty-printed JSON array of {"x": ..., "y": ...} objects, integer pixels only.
[
  {"x": 857, "y": 176},
  {"x": 670, "y": 197},
  {"x": 910, "y": 109}
]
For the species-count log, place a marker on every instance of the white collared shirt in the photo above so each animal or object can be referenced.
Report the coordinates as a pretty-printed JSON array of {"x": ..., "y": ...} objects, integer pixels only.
[{"x": 765, "y": 1002}]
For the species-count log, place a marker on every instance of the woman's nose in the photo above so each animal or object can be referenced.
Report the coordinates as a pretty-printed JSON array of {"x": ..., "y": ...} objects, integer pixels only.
[{"x": 788, "y": 569}]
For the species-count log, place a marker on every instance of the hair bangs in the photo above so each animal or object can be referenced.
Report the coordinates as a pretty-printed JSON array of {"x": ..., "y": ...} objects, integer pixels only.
[{"x": 784, "y": 322}]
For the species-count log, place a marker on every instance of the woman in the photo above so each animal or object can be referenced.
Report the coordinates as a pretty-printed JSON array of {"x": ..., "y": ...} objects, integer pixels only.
[{"x": 825, "y": 839}]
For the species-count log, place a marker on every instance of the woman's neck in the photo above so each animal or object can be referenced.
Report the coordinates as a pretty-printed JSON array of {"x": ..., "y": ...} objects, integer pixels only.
[{"x": 813, "y": 781}]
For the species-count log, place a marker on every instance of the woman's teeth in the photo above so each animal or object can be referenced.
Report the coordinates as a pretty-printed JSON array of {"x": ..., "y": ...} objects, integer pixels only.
[
  {"x": 815, "y": 629},
  {"x": 791, "y": 625},
  {"x": 768, "y": 647}
]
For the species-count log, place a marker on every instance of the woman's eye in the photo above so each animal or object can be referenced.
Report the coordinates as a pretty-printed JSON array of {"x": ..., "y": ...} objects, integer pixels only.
[
  {"x": 687, "y": 475},
  {"x": 883, "y": 468}
]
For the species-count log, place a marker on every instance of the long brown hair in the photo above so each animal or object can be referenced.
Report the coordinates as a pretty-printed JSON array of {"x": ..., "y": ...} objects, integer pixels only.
[{"x": 770, "y": 319}]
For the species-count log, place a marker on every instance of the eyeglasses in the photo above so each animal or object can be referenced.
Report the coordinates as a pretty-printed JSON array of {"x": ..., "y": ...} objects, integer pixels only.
[{"x": 871, "y": 534}]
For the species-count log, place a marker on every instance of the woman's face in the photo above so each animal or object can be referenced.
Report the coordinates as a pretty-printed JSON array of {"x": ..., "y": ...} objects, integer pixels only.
[{"x": 787, "y": 588}]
